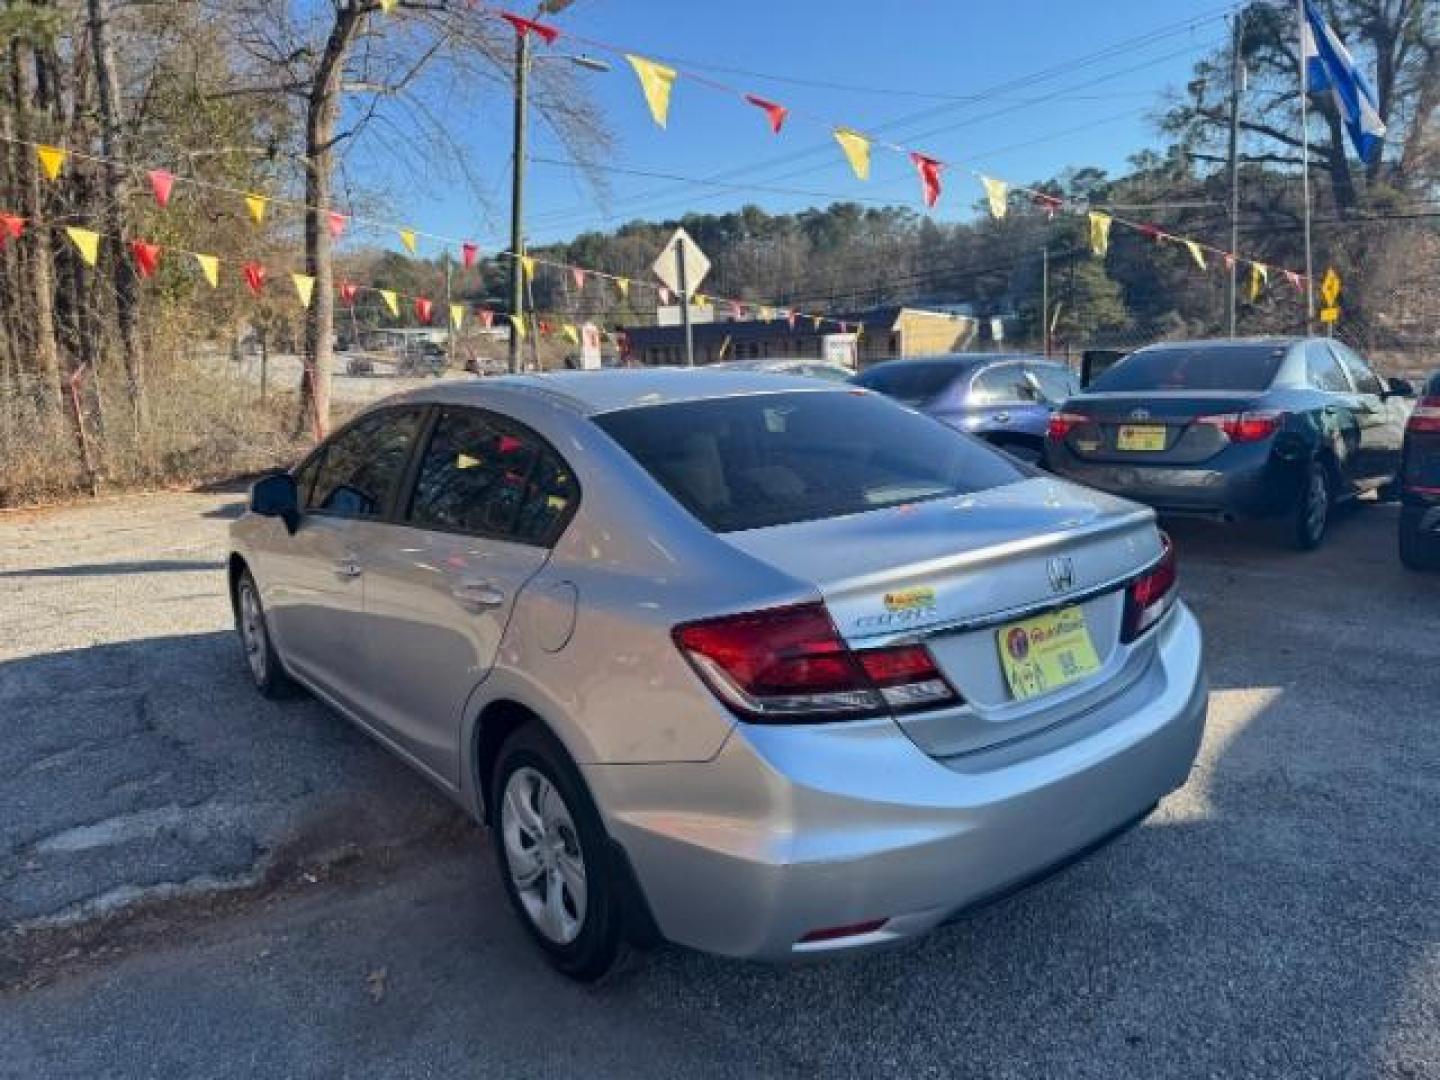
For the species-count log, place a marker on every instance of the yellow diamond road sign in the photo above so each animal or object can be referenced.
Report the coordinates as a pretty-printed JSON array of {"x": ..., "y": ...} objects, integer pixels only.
[{"x": 1330, "y": 287}]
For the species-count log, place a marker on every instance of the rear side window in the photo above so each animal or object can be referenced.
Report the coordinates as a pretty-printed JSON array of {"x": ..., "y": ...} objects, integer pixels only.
[
  {"x": 1057, "y": 383},
  {"x": 488, "y": 476},
  {"x": 1194, "y": 367},
  {"x": 912, "y": 382},
  {"x": 758, "y": 460},
  {"x": 1003, "y": 385},
  {"x": 363, "y": 465},
  {"x": 1366, "y": 381},
  {"x": 1323, "y": 370}
]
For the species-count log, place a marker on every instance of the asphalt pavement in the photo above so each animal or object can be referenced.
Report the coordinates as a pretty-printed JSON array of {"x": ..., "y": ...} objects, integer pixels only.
[{"x": 1277, "y": 917}]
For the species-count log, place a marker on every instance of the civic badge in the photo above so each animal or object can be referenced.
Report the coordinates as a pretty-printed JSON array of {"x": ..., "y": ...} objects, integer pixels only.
[{"x": 1061, "y": 569}]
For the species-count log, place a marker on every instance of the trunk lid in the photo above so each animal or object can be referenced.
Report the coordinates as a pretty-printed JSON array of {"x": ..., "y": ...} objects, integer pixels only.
[
  {"x": 1153, "y": 427},
  {"x": 958, "y": 573}
]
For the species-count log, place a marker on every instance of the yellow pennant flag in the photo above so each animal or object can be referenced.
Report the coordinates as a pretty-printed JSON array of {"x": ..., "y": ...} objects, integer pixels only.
[
  {"x": 857, "y": 151},
  {"x": 457, "y": 315},
  {"x": 52, "y": 160},
  {"x": 304, "y": 288},
  {"x": 998, "y": 193},
  {"x": 699, "y": 299},
  {"x": 623, "y": 284},
  {"x": 392, "y": 303},
  {"x": 86, "y": 242},
  {"x": 407, "y": 237},
  {"x": 571, "y": 334},
  {"x": 527, "y": 264},
  {"x": 815, "y": 321},
  {"x": 256, "y": 205},
  {"x": 766, "y": 313},
  {"x": 656, "y": 81},
  {"x": 1196, "y": 253},
  {"x": 1099, "y": 232},
  {"x": 210, "y": 267},
  {"x": 1259, "y": 278},
  {"x": 387, "y": 6},
  {"x": 517, "y": 326}
]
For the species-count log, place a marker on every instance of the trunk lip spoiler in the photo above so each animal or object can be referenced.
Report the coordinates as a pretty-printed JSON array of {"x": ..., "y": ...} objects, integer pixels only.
[{"x": 1007, "y": 615}]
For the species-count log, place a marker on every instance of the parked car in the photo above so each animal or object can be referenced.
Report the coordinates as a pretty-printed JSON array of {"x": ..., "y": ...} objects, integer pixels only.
[
  {"x": 763, "y": 666},
  {"x": 1420, "y": 483},
  {"x": 804, "y": 366},
  {"x": 1004, "y": 399},
  {"x": 358, "y": 364},
  {"x": 1265, "y": 428}
]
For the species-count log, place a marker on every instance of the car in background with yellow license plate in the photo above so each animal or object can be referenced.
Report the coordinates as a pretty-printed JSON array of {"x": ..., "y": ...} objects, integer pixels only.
[{"x": 1280, "y": 428}]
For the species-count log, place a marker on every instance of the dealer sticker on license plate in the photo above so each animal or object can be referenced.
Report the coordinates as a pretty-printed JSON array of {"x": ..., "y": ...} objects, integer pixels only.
[
  {"x": 1045, "y": 653},
  {"x": 1140, "y": 437}
]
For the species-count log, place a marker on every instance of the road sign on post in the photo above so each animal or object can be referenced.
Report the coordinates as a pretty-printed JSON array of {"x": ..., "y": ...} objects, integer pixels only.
[
  {"x": 681, "y": 267},
  {"x": 1330, "y": 287}
]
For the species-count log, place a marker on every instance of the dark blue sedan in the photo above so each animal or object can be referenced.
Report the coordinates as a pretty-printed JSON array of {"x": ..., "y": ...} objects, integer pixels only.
[{"x": 1006, "y": 399}]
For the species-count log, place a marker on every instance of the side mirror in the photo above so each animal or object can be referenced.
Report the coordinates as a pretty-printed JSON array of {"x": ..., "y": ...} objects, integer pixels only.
[
  {"x": 1402, "y": 388},
  {"x": 277, "y": 496}
]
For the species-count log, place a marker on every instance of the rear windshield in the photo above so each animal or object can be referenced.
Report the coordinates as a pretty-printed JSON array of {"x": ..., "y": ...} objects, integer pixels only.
[
  {"x": 1195, "y": 367},
  {"x": 773, "y": 459},
  {"x": 913, "y": 382}
]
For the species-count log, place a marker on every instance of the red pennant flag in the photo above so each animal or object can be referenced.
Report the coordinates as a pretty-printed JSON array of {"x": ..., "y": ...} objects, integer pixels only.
[
  {"x": 735, "y": 309},
  {"x": 1048, "y": 203},
  {"x": 664, "y": 294},
  {"x": 147, "y": 257},
  {"x": 545, "y": 327},
  {"x": 1296, "y": 280},
  {"x": 424, "y": 309},
  {"x": 336, "y": 222},
  {"x": 160, "y": 183},
  {"x": 530, "y": 26},
  {"x": 1152, "y": 231},
  {"x": 774, "y": 111},
  {"x": 348, "y": 289},
  {"x": 929, "y": 170},
  {"x": 579, "y": 276},
  {"x": 254, "y": 276},
  {"x": 11, "y": 226},
  {"x": 1229, "y": 261},
  {"x": 791, "y": 316},
  {"x": 468, "y": 254},
  {"x": 487, "y": 318}
]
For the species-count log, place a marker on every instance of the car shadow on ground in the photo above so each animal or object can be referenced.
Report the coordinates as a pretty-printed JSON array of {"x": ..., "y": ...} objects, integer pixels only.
[{"x": 109, "y": 569}]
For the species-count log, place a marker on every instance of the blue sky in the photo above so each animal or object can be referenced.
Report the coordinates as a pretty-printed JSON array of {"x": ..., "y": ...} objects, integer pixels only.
[{"x": 1015, "y": 89}]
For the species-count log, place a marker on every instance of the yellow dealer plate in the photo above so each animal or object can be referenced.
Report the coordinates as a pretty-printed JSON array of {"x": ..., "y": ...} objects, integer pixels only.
[
  {"x": 1140, "y": 437},
  {"x": 1045, "y": 653}
]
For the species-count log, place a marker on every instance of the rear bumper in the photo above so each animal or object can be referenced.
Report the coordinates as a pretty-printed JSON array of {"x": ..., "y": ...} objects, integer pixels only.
[
  {"x": 1243, "y": 489},
  {"x": 791, "y": 830}
]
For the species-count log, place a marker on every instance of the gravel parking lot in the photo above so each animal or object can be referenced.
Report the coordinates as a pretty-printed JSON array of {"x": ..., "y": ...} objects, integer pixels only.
[{"x": 1279, "y": 916}]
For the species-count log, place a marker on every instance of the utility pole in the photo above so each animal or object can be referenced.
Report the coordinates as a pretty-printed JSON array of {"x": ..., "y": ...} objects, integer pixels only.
[
  {"x": 684, "y": 302},
  {"x": 1045, "y": 295},
  {"x": 1305, "y": 169},
  {"x": 1237, "y": 79},
  {"x": 517, "y": 200}
]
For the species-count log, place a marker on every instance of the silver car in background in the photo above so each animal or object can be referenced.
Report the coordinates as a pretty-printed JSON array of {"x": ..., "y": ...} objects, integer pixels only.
[{"x": 758, "y": 665}]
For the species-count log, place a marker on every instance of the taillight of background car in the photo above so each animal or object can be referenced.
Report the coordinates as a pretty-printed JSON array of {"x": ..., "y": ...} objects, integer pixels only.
[
  {"x": 1062, "y": 423},
  {"x": 1245, "y": 427},
  {"x": 1425, "y": 416},
  {"x": 1151, "y": 595},
  {"x": 790, "y": 665}
]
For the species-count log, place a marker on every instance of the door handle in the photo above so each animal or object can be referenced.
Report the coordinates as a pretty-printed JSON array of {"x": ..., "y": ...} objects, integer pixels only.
[
  {"x": 1002, "y": 417},
  {"x": 346, "y": 569},
  {"x": 478, "y": 595}
]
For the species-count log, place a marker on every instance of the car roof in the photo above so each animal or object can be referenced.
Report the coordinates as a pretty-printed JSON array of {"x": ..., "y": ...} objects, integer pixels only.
[
  {"x": 1275, "y": 341},
  {"x": 970, "y": 359},
  {"x": 593, "y": 392}
]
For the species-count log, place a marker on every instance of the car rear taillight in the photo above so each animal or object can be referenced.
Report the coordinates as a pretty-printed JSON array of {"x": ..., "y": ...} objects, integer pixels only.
[
  {"x": 790, "y": 665},
  {"x": 1246, "y": 426},
  {"x": 1426, "y": 416},
  {"x": 1151, "y": 595},
  {"x": 1062, "y": 423}
]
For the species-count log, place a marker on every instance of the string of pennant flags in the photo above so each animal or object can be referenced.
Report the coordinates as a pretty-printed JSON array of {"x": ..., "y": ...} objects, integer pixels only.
[{"x": 657, "y": 82}]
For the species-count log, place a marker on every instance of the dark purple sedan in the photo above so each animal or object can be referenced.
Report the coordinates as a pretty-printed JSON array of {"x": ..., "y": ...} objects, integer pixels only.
[{"x": 1006, "y": 399}]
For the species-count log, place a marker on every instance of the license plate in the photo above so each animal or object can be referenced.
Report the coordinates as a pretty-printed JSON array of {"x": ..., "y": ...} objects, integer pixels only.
[
  {"x": 1045, "y": 653},
  {"x": 1140, "y": 437}
]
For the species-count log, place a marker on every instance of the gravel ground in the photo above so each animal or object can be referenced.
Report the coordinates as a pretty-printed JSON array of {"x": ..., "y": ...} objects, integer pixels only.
[{"x": 1277, "y": 917}]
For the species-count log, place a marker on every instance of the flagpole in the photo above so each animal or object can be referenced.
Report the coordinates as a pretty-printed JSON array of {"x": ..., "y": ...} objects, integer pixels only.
[{"x": 1305, "y": 167}]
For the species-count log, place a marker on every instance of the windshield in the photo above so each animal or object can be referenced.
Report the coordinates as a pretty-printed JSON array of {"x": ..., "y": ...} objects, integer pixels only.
[
  {"x": 773, "y": 459},
  {"x": 913, "y": 382},
  {"x": 1194, "y": 367}
]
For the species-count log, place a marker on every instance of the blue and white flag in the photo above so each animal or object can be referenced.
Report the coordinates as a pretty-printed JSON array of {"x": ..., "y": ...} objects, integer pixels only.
[{"x": 1328, "y": 64}]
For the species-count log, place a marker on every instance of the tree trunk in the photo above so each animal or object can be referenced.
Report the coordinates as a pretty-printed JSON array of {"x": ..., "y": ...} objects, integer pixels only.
[
  {"x": 126, "y": 285},
  {"x": 322, "y": 109}
]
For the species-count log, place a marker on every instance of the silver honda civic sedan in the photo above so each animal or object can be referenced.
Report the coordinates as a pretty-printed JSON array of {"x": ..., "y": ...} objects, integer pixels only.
[{"x": 765, "y": 666}]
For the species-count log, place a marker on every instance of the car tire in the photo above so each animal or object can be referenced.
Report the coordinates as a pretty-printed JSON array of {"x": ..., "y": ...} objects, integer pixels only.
[
  {"x": 555, "y": 858},
  {"x": 1314, "y": 505},
  {"x": 1417, "y": 551},
  {"x": 261, "y": 660}
]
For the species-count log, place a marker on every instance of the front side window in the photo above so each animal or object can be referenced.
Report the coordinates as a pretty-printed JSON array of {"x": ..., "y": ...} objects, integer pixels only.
[
  {"x": 1003, "y": 385},
  {"x": 757, "y": 460},
  {"x": 363, "y": 465},
  {"x": 488, "y": 476},
  {"x": 1323, "y": 370},
  {"x": 1366, "y": 381}
]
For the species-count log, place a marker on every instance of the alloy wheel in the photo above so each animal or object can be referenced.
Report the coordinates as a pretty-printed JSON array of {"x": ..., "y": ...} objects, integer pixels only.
[
  {"x": 1317, "y": 504},
  {"x": 542, "y": 852},
  {"x": 252, "y": 632}
]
